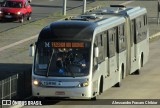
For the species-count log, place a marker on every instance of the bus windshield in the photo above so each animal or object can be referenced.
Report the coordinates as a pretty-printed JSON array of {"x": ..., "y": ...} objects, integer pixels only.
[{"x": 62, "y": 62}]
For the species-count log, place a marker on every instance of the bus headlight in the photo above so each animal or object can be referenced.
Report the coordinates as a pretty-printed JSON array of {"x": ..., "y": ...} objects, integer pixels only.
[
  {"x": 35, "y": 82},
  {"x": 84, "y": 84}
]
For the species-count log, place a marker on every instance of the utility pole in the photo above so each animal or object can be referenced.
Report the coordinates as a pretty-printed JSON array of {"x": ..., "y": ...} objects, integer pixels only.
[
  {"x": 84, "y": 7},
  {"x": 64, "y": 7}
]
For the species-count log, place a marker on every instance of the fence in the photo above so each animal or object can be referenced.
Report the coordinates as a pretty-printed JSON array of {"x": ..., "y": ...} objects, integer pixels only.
[
  {"x": 8, "y": 88},
  {"x": 17, "y": 87}
]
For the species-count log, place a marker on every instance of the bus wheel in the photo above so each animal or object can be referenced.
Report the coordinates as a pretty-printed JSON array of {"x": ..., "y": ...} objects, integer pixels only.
[
  {"x": 101, "y": 86},
  {"x": 94, "y": 98},
  {"x": 137, "y": 72}
]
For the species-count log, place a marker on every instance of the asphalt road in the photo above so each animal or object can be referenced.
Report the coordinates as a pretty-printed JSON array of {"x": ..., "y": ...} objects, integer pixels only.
[{"x": 41, "y": 9}]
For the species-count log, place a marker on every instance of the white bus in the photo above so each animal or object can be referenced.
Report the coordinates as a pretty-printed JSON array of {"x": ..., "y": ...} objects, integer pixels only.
[{"x": 83, "y": 56}]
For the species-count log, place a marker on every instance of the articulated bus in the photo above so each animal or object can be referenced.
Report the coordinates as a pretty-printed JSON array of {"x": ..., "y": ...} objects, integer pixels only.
[{"x": 82, "y": 56}]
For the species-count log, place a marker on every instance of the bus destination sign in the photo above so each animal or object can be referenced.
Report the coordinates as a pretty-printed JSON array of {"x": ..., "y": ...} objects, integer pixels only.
[
  {"x": 65, "y": 44},
  {"x": 68, "y": 44}
]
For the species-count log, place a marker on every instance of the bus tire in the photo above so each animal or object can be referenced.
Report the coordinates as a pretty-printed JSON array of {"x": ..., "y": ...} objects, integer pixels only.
[
  {"x": 94, "y": 98},
  {"x": 137, "y": 72},
  {"x": 101, "y": 86}
]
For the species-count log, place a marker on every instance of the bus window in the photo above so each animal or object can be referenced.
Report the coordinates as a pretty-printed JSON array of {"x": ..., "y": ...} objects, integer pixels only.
[
  {"x": 138, "y": 29},
  {"x": 121, "y": 39},
  {"x": 111, "y": 43},
  {"x": 105, "y": 44},
  {"x": 95, "y": 60},
  {"x": 145, "y": 17},
  {"x": 100, "y": 39},
  {"x": 141, "y": 29},
  {"x": 133, "y": 32}
]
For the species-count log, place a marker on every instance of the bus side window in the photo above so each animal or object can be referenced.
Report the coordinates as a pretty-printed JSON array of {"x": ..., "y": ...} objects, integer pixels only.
[
  {"x": 111, "y": 43},
  {"x": 145, "y": 19},
  {"x": 116, "y": 38},
  {"x": 138, "y": 29},
  {"x": 99, "y": 42},
  {"x": 141, "y": 29},
  {"x": 133, "y": 32},
  {"x": 95, "y": 60},
  {"x": 100, "y": 38},
  {"x": 105, "y": 44},
  {"x": 144, "y": 32},
  {"x": 121, "y": 39}
]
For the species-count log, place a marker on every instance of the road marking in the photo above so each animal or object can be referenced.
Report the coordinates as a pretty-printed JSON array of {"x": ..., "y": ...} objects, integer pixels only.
[
  {"x": 155, "y": 35},
  {"x": 33, "y": 37},
  {"x": 17, "y": 43},
  {"x": 125, "y": 3}
]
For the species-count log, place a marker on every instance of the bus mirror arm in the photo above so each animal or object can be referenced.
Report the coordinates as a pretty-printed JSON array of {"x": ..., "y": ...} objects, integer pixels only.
[
  {"x": 96, "y": 67},
  {"x": 31, "y": 50},
  {"x": 96, "y": 52}
]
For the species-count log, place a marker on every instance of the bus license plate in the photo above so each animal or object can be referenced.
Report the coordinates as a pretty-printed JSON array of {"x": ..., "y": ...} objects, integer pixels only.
[
  {"x": 60, "y": 93},
  {"x": 49, "y": 83}
]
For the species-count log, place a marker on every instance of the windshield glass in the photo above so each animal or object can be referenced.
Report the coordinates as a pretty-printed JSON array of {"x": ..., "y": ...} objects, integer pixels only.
[
  {"x": 62, "y": 62},
  {"x": 13, "y": 4}
]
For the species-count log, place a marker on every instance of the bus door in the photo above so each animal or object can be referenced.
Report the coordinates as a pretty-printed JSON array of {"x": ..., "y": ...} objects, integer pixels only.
[
  {"x": 106, "y": 54},
  {"x": 116, "y": 46},
  {"x": 133, "y": 41},
  {"x": 112, "y": 61},
  {"x": 99, "y": 67}
]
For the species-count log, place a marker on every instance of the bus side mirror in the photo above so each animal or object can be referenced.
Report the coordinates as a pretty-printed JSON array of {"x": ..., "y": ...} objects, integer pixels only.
[
  {"x": 31, "y": 50},
  {"x": 96, "y": 52}
]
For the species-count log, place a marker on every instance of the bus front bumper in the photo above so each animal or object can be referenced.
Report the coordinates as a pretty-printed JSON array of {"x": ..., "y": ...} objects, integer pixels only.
[{"x": 77, "y": 92}]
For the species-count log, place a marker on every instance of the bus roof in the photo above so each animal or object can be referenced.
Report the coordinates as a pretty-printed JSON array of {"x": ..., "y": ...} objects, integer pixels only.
[
  {"x": 82, "y": 27},
  {"x": 75, "y": 30},
  {"x": 120, "y": 10}
]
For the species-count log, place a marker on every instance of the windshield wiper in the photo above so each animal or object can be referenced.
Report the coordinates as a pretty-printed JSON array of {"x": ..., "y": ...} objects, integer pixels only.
[
  {"x": 49, "y": 63},
  {"x": 68, "y": 70}
]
